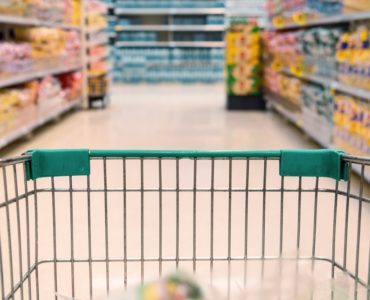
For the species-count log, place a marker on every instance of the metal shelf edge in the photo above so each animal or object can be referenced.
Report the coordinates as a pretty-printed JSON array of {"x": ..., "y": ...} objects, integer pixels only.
[
  {"x": 18, "y": 79},
  {"x": 34, "y": 22},
  {"x": 328, "y": 21},
  {"x": 335, "y": 85},
  {"x": 169, "y": 11},
  {"x": 25, "y": 129}
]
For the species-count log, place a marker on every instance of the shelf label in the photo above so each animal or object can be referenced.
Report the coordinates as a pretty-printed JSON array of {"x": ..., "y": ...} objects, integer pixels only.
[
  {"x": 297, "y": 70},
  {"x": 300, "y": 18},
  {"x": 278, "y": 22}
]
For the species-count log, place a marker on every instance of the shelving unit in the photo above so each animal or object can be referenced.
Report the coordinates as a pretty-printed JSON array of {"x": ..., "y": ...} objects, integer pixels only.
[
  {"x": 38, "y": 115},
  {"x": 168, "y": 36},
  {"x": 97, "y": 50},
  {"x": 309, "y": 118},
  {"x": 40, "y": 120}
]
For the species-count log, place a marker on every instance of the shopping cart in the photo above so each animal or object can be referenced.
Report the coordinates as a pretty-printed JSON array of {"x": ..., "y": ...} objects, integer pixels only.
[{"x": 249, "y": 224}]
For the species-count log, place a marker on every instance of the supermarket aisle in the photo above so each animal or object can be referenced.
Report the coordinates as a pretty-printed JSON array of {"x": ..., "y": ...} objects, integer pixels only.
[
  {"x": 180, "y": 117},
  {"x": 167, "y": 116}
]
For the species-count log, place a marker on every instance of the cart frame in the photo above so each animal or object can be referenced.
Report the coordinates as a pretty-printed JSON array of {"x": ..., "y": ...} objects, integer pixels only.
[{"x": 20, "y": 241}]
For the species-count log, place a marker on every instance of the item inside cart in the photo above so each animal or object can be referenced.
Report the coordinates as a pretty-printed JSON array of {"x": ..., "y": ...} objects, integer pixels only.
[{"x": 97, "y": 224}]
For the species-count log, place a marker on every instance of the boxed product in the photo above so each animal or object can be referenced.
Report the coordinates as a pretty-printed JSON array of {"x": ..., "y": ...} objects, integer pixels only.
[
  {"x": 243, "y": 58},
  {"x": 353, "y": 56},
  {"x": 352, "y": 124},
  {"x": 356, "y": 5},
  {"x": 14, "y": 57}
]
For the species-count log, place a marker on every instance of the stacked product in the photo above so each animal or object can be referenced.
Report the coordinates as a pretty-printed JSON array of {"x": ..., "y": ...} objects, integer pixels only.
[
  {"x": 39, "y": 48},
  {"x": 309, "y": 51},
  {"x": 330, "y": 61},
  {"x": 285, "y": 87},
  {"x": 169, "y": 3},
  {"x": 353, "y": 57},
  {"x": 169, "y": 64},
  {"x": 163, "y": 27},
  {"x": 318, "y": 47},
  {"x": 21, "y": 105},
  {"x": 62, "y": 11},
  {"x": 298, "y": 12},
  {"x": 243, "y": 58},
  {"x": 98, "y": 52},
  {"x": 283, "y": 51},
  {"x": 352, "y": 124},
  {"x": 317, "y": 112},
  {"x": 40, "y": 64}
]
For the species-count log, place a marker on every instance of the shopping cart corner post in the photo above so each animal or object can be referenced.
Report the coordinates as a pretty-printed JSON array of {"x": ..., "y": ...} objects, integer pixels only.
[
  {"x": 359, "y": 220},
  {"x": 334, "y": 234}
]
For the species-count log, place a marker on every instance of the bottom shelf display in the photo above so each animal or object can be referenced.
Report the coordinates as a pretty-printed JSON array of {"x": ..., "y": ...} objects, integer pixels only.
[
  {"x": 333, "y": 121},
  {"x": 25, "y": 107}
]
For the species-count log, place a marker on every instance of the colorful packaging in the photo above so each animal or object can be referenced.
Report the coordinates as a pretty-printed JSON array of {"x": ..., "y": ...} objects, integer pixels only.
[{"x": 243, "y": 58}]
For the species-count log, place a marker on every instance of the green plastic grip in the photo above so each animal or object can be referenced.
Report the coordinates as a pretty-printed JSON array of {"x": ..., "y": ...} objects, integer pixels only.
[
  {"x": 58, "y": 163},
  {"x": 76, "y": 162}
]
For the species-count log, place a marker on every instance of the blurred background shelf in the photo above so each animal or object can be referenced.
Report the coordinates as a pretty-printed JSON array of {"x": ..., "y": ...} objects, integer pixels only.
[
  {"x": 169, "y": 11},
  {"x": 171, "y": 28},
  {"x": 191, "y": 44},
  {"x": 328, "y": 20},
  {"x": 37, "y": 73},
  {"x": 26, "y": 21},
  {"x": 164, "y": 35},
  {"x": 40, "y": 119}
]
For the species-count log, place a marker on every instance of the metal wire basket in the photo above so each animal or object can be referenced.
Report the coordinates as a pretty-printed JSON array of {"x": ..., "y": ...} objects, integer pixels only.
[{"x": 249, "y": 224}]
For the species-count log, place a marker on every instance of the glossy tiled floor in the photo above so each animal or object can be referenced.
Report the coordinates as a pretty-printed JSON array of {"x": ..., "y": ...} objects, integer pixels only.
[
  {"x": 173, "y": 117},
  {"x": 186, "y": 117}
]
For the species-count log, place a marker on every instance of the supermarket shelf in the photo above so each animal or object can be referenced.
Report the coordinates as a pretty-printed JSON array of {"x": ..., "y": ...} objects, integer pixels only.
[
  {"x": 100, "y": 40},
  {"x": 35, "y": 74},
  {"x": 293, "y": 118},
  {"x": 337, "y": 19},
  {"x": 335, "y": 85},
  {"x": 194, "y": 44},
  {"x": 170, "y": 11},
  {"x": 171, "y": 28},
  {"x": 34, "y": 22},
  {"x": 26, "y": 129},
  {"x": 286, "y": 113}
]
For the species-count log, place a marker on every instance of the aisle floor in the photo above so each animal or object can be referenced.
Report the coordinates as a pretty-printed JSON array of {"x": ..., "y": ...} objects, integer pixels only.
[
  {"x": 167, "y": 117},
  {"x": 183, "y": 117}
]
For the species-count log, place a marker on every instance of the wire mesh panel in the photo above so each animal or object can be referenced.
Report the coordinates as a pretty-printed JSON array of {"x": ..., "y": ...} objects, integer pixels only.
[{"x": 243, "y": 230}]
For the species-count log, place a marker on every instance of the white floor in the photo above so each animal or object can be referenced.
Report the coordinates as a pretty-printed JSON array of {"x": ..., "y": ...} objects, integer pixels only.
[
  {"x": 167, "y": 117},
  {"x": 187, "y": 117}
]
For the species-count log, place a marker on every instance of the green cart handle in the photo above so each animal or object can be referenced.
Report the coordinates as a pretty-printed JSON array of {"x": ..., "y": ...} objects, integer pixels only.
[{"x": 76, "y": 162}]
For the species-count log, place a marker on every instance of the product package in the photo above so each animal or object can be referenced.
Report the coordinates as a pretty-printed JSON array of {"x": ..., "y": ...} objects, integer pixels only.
[{"x": 243, "y": 58}]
